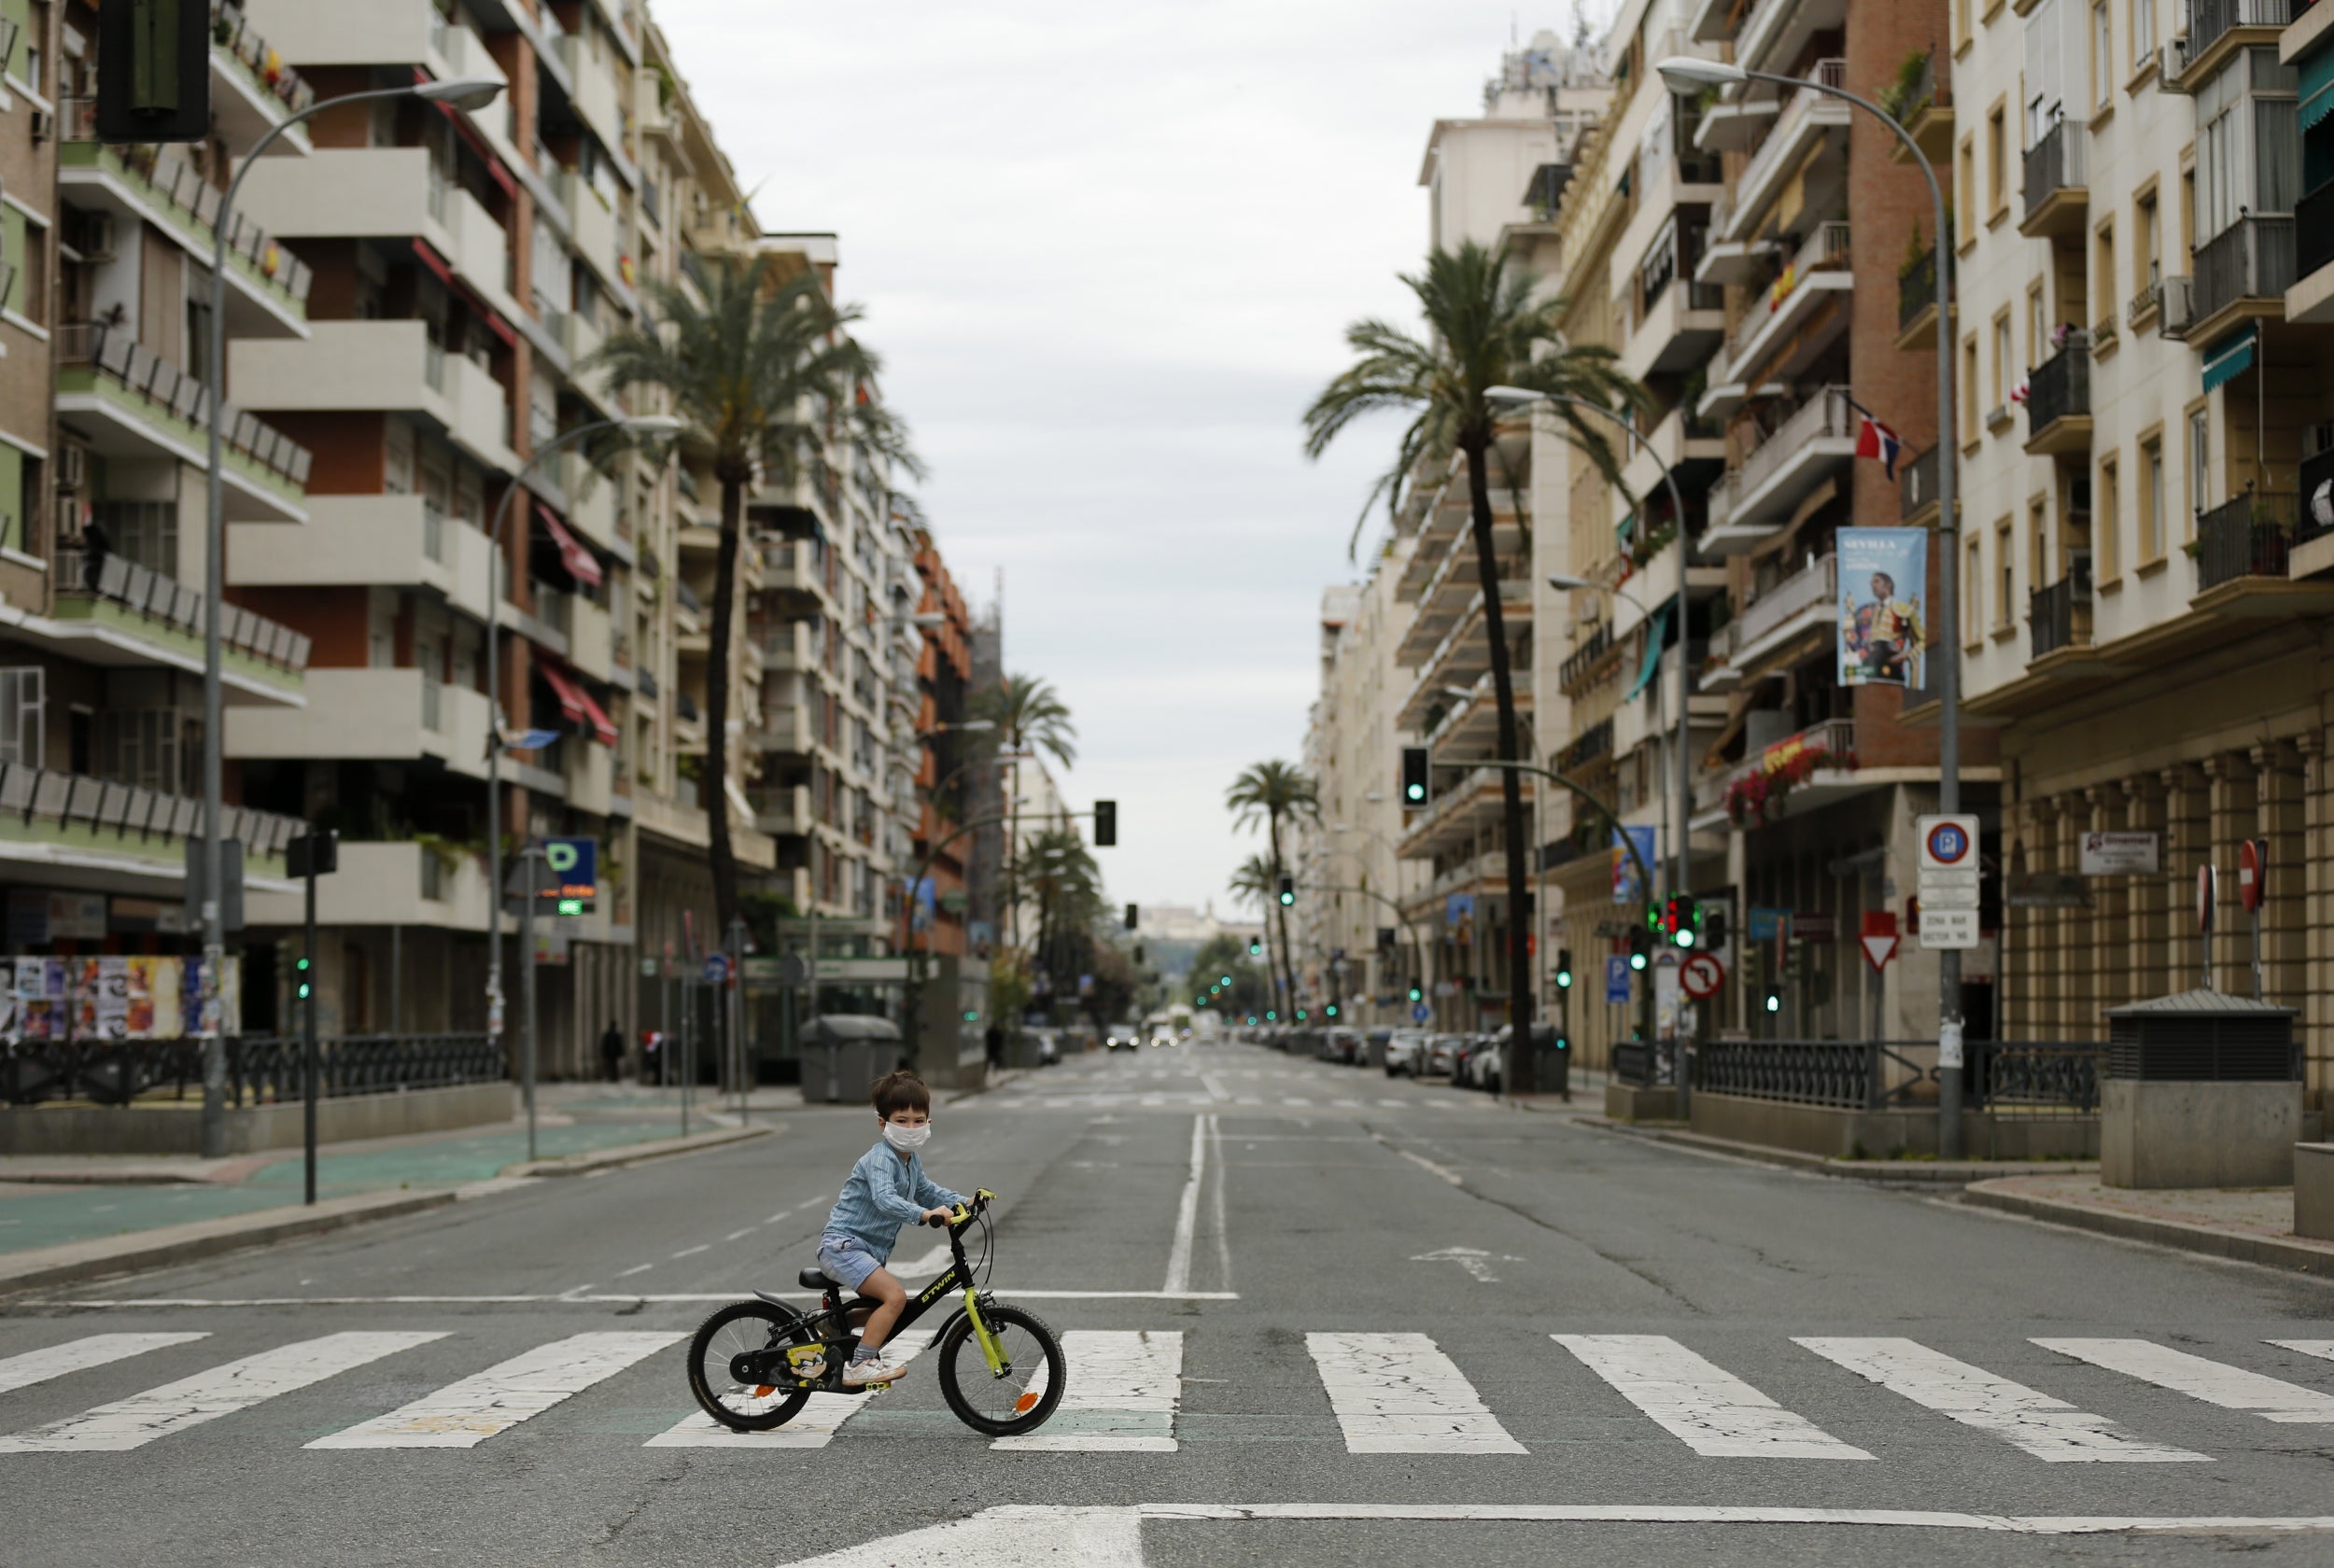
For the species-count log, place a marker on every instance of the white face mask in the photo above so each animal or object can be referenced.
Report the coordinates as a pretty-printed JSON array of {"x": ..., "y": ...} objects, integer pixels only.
[{"x": 907, "y": 1140}]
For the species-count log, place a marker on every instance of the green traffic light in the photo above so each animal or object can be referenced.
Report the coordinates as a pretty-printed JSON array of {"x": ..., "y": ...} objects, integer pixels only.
[
  {"x": 1415, "y": 994},
  {"x": 1272, "y": 1016},
  {"x": 1637, "y": 960},
  {"x": 1301, "y": 1015},
  {"x": 1564, "y": 979},
  {"x": 1288, "y": 898},
  {"x": 1774, "y": 1002},
  {"x": 972, "y": 1015},
  {"x": 1416, "y": 792},
  {"x": 1227, "y": 980},
  {"x": 1685, "y": 936},
  {"x": 1332, "y": 1010}
]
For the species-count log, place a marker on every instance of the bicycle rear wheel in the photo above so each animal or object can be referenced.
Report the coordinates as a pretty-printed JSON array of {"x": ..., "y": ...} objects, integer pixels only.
[
  {"x": 1020, "y": 1399},
  {"x": 738, "y": 1328}
]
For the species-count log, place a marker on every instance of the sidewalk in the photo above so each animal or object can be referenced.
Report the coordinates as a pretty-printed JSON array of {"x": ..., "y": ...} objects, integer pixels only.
[
  {"x": 124, "y": 1211},
  {"x": 2253, "y": 1225}
]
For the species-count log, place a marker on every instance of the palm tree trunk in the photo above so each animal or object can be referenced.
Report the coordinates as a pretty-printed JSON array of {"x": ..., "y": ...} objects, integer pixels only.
[
  {"x": 1280, "y": 914},
  {"x": 1518, "y": 1067},
  {"x": 716, "y": 774}
]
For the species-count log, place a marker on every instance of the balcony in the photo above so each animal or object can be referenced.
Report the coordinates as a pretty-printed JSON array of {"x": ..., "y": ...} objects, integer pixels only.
[
  {"x": 1925, "y": 110},
  {"x": 2250, "y": 537},
  {"x": 2217, "y": 29},
  {"x": 782, "y": 811},
  {"x": 2058, "y": 199},
  {"x": 1805, "y": 601},
  {"x": 596, "y": 237},
  {"x": 2059, "y": 402},
  {"x": 1692, "y": 449},
  {"x": 591, "y": 497},
  {"x": 120, "y": 837},
  {"x": 1754, "y": 500},
  {"x": 1586, "y": 747},
  {"x": 434, "y": 884},
  {"x": 1778, "y": 31},
  {"x": 1916, "y": 490},
  {"x": 1678, "y": 322},
  {"x": 591, "y": 640},
  {"x": 1593, "y": 660},
  {"x": 1788, "y": 158},
  {"x": 1917, "y": 303},
  {"x": 123, "y": 615},
  {"x": 390, "y": 193},
  {"x": 267, "y": 285},
  {"x": 366, "y": 541},
  {"x": 1802, "y": 773},
  {"x": 253, "y": 90},
  {"x": 2241, "y": 273},
  {"x": 596, "y": 98},
  {"x": 371, "y": 366},
  {"x": 132, "y": 403},
  {"x": 2059, "y": 617},
  {"x": 373, "y": 715},
  {"x": 1800, "y": 320},
  {"x": 2311, "y": 296}
]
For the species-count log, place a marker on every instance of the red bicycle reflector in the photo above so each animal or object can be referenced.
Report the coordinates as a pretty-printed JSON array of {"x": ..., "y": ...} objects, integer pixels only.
[{"x": 1024, "y": 1404}]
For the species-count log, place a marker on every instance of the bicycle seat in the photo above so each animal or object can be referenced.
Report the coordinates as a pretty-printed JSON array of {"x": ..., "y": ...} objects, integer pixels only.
[{"x": 815, "y": 1278}]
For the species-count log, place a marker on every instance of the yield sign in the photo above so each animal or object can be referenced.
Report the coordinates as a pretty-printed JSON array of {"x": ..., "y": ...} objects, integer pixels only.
[{"x": 1879, "y": 950}]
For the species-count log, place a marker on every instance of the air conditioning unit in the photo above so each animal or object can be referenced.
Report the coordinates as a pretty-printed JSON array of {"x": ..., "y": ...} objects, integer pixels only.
[
  {"x": 44, "y": 125},
  {"x": 72, "y": 467},
  {"x": 97, "y": 237},
  {"x": 2177, "y": 315},
  {"x": 2171, "y": 59}
]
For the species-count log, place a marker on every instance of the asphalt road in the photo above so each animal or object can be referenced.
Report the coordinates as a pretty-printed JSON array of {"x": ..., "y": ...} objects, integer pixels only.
[{"x": 1384, "y": 1321}]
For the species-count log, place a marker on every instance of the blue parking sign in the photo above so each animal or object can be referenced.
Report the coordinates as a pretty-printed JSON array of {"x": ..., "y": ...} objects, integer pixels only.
[{"x": 1617, "y": 978}]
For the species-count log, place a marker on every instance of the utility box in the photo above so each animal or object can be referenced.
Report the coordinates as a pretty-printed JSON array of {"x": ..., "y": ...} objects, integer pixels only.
[
  {"x": 2203, "y": 1090},
  {"x": 1552, "y": 1062},
  {"x": 844, "y": 1053}
]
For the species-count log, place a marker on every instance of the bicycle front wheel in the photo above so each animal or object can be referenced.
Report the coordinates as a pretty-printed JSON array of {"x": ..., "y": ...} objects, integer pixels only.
[
  {"x": 739, "y": 1327},
  {"x": 1016, "y": 1400}
]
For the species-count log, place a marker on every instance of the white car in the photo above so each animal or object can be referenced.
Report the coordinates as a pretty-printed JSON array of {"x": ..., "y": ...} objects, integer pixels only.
[{"x": 1406, "y": 1053}]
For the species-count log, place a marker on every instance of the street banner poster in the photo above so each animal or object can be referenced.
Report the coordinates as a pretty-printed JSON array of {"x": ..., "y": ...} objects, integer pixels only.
[
  {"x": 1627, "y": 887},
  {"x": 1458, "y": 914},
  {"x": 1883, "y": 605},
  {"x": 921, "y": 896}
]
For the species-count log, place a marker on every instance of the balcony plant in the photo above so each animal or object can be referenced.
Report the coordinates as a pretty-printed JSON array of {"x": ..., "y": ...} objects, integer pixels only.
[
  {"x": 1487, "y": 324},
  {"x": 1901, "y": 99}
]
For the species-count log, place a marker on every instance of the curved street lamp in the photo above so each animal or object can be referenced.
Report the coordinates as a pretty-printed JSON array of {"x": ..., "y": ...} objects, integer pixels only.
[
  {"x": 1685, "y": 72},
  {"x": 461, "y": 93}
]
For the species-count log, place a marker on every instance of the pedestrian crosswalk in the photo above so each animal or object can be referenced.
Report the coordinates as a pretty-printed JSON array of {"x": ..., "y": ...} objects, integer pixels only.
[{"x": 1132, "y": 1391}]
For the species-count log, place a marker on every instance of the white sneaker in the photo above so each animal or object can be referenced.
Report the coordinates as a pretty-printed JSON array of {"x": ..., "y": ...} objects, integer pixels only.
[{"x": 877, "y": 1368}]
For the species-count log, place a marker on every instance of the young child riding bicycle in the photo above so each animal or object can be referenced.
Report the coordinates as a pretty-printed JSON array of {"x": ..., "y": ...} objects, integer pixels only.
[{"x": 886, "y": 1189}]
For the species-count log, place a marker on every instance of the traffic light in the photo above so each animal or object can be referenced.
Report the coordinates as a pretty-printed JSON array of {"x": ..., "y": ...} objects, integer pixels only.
[
  {"x": 153, "y": 71},
  {"x": 1417, "y": 777},
  {"x": 972, "y": 1015},
  {"x": 305, "y": 980},
  {"x": 1255, "y": 947},
  {"x": 1106, "y": 824},
  {"x": 1289, "y": 889},
  {"x": 1681, "y": 920},
  {"x": 1774, "y": 999},
  {"x": 1226, "y": 982},
  {"x": 1714, "y": 926},
  {"x": 1332, "y": 1010},
  {"x": 1640, "y": 949},
  {"x": 1134, "y": 916},
  {"x": 1301, "y": 1015},
  {"x": 1272, "y": 1016},
  {"x": 1417, "y": 995},
  {"x": 1564, "y": 969}
]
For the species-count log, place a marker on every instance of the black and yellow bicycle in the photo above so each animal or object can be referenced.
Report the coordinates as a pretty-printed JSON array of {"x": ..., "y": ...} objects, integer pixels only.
[{"x": 755, "y": 1364}]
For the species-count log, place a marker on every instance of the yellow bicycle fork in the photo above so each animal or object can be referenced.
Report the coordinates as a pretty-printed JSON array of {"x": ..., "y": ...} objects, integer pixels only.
[{"x": 990, "y": 1350}]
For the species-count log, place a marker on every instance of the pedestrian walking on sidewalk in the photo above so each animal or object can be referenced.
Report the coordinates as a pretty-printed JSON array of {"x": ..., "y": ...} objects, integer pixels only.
[
  {"x": 611, "y": 1052},
  {"x": 993, "y": 1039}
]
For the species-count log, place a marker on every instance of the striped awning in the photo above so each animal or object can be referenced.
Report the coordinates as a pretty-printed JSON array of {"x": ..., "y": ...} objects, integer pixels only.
[
  {"x": 2318, "y": 85},
  {"x": 2229, "y": 358}
]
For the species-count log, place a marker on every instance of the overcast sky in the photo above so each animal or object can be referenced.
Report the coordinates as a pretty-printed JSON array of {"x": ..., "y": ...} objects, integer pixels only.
[{"x": 1107, "y": 251}]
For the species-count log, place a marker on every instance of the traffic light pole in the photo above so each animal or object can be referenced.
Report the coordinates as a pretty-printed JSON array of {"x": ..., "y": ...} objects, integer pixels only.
[
  {"x": 308, "y": 1030},
  {"x": 1417, "y": 948}
]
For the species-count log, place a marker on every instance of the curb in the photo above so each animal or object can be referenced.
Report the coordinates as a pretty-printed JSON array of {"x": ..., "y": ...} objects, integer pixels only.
[
  {"x": 103, "y": 1179},
  {"x": 2244, "y": 1246},
  {"x": 77, "y": 1261},
  {"x": 634, "y": 1153},
  {"x": 1905, "y": 1173}
]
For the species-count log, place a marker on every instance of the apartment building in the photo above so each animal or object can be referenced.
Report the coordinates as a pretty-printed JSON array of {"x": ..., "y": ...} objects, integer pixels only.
[
  {"x": 1360, "y": 949},
  {"x": 2146, "y": 572},
  {"x": 945, "y": 756},
  {"x": 105, "y": 316}
]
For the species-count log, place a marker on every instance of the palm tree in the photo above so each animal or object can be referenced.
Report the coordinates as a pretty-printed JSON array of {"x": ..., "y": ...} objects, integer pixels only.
[
  {"x": 1275, "y": 792},
  {"x": 1254, "y": 881},
  {"x": 765, "y": 370},
  {"x": 1485, "y": 329},
  {"x": 1028, "y": 713}
]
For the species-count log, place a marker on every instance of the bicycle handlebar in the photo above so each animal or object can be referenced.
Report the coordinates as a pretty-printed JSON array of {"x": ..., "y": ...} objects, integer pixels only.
[{"x": 966, "y": 1213}]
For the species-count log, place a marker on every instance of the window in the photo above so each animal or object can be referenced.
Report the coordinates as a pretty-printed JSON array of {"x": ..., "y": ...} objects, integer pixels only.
[
  {"x": 2006, "y": 576},
  {"x": 2103, "y": 56},
  {"x": 155, "y": 747},
  {"x": 23, "y": 714},
  {"x": 2104, "y": 278},
  {"x": 2248, "y": 143},
  {"x": 2037, "y": 541},
  {"x": 2037, "y": 325},
  {"x": 2002, "y": 357},
  {"x": 2200, "y": 458},
  {"x": 1997, "y": 162},
  {"x": 2143, "y": 31},
  {"x": 2150, "y": 541},
  {"x": 1973, "y": 607},
  {"x": 2107, "y": 521},
  {"x": 1966, "y": 186},
  {"x": 2148, "y": 233},
  {"x": 145, "y": 533},
  {"x": 1970, "y": 425},
  {"x": 1963, "y": 30}
]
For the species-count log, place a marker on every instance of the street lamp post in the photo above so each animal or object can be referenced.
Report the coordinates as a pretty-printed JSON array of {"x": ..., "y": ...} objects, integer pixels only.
[
  {"x": 462, "y": 94},
  {"x": 642, "y": 424},
  {"x": 1687, "y": 72}
]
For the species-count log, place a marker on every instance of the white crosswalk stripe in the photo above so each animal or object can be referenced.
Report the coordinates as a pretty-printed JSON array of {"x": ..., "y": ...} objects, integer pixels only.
[
  {"x": 2230, "y": 1387},
  {"x": 1713, "y": 1411},
  {"x": 2048, "y": 1428},
  {"x": 1398, "y": 1393},
  {"x": 823, "y": 1415},
  {"x": 222, "y": 1391},
  {"x": 1122, "y": 1394},
  {"x": 464, "y": 1414},
  {"x": 77, "y": 1355}
]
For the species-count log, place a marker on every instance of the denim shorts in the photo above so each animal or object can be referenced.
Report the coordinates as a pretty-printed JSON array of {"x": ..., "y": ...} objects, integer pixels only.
[{"x": 847, "y": 1260}]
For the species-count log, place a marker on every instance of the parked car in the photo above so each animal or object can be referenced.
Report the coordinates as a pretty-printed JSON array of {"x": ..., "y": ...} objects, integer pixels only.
[
  {"x": 1440, "y": 1052},
  {"x": 1406, "y": 1053}
]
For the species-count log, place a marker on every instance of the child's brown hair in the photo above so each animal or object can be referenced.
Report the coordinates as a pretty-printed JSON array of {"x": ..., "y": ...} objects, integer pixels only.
[{"x": 900, "y": 1091}]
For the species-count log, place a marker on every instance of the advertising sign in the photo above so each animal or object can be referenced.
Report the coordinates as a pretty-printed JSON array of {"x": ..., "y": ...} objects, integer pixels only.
[
  {"x": 1458, "y": 914},
  {"x": 575, "y": 865},
  {"x": 2121, "y": 854},
  {"x": 1627, "y": 887},
  {"x": 1883, "y": 605}
]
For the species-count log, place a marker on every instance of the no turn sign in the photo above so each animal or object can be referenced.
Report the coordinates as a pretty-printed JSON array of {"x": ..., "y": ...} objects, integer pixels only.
[{"x": 1702, "y": 976}]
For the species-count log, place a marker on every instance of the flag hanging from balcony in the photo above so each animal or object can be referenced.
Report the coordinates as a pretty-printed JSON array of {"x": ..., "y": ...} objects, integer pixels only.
[{"x": 1876, "y": 440}]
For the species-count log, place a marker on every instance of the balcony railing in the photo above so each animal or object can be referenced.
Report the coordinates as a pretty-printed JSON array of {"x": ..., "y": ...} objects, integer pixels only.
[
  {"x": 1917, "y": 484},
  {"x": 1812, "y": 585},
  {"x": 163, "y": 174},
  {"x": 2249, "y": 537},
  {"x": 688, "y": 596},
  {"x": 2251, "y": 260},
  {"x": 119, "y": 357},
  {"x": 2148, "y": 301},
  {"x": 231, "y": 33},
  {"x": 2061, "y": 388},
  {"x": 2313, "y": 230},
  {"x": 1582, "y": 659},
  {"x": 2209, "y": 19},
  {"x": 1831, "y": 72},
  {"x": 1827, "y": 413},
  {"x": 2059, "y": 616},
  {"x": 1590, "y": 744},
  {"x": 30, "y": 796},
  {"x": 1917, "y": 288},
  {"x": 172, "y": 603},
  {"x": 2054, "y": 163}
]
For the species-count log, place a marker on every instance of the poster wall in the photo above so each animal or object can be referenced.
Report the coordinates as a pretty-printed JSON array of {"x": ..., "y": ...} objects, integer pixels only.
[
  {"x": 1883, "y": 606},
  {"x": 113, "y": 997}
]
